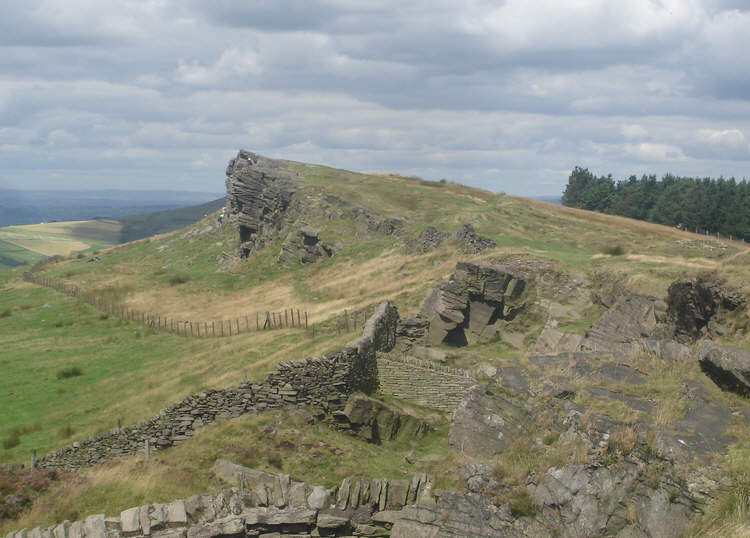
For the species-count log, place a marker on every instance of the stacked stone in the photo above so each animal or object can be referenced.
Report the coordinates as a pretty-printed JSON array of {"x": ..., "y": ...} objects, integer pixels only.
[
  {"x": 262, "y": 504},
  {"x": 323, "y": 383},
  {"x": 422, "y": 382}
]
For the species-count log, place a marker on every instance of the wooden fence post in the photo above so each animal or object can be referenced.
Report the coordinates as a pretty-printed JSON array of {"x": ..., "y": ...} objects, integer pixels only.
[
  {"x": 286, "y": 319},
  {"x": 237, "y": 321},
  {"x": 213, "y": 329},
  {"x": 305, "y": 320},
  {"x": 247, "y": 324},
  {"x": 257, "y": 321}
]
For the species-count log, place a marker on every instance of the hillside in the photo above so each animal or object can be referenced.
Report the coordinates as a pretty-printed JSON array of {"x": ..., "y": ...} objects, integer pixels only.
[
  {"x": 571, "y": 324},
  {"x": 32, "y": 243}
]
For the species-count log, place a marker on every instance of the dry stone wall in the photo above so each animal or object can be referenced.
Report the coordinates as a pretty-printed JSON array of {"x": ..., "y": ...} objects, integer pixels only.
[
  {"x": 323, "y": 383},
  {"x": 422, "y": 382},
  {"x": 263, "y": 504}
]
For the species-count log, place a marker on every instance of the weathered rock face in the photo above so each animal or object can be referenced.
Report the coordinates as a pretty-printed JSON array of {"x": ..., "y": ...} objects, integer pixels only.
[
  {"x": 469, "y": 306},
  {"x": 427, "y": 240},
  {"x": 376, "y": 421},
  {"x": 631, "y": 319},
  {"x": 262, "y": 504},
  {"x": 376, "y": 223},
  {"x": 693, "y": 302},
  {"x": 259, "y": 194},
  {"x": 469, "y": 241},
  {"x": 596, "y": 500},
  {"x": 728, "y": 367},
  {"x": 486, "y": 422},
  {"x": 465, "y": 238},
  {"x": 304, "y": 245}
]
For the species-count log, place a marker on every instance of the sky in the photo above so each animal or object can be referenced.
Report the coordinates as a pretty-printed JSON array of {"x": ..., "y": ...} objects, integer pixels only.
[{"x": 507, "y": 95}]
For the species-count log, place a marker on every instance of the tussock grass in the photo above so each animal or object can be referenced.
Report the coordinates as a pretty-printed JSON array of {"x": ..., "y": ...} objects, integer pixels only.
[{"x": 316, "y": 453}]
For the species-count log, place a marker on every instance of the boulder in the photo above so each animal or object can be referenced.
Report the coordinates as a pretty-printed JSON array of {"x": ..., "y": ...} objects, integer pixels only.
[
  {"x": 466, "y": 308},
  {"x": 377, "y": 421},
  {"x": 469, "y": 241},
  {"x": 305, "y": 246},
  {"x": 226, "y": 528},
  {"x": 428, "y": 239},
  {"x": 728, "y": 367}
]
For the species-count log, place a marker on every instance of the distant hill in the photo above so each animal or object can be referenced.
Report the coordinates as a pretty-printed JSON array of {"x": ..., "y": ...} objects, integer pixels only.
[
  {"x": 32, "y": 207},
  {"x": 29, "y": 243},
  {"x": 139, "y": 226},
  {"x": 551, "y": 199}
]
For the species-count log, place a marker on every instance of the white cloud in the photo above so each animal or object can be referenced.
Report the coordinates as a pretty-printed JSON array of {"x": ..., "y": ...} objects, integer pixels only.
[{"x": 505, "y": 95}]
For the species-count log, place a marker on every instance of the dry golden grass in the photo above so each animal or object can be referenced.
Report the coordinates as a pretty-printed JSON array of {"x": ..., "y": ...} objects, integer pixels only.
[{"x": 49, "y": 247}]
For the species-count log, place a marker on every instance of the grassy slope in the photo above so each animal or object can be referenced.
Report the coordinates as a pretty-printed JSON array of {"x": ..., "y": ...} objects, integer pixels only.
[{"x": 131, "y": 376}]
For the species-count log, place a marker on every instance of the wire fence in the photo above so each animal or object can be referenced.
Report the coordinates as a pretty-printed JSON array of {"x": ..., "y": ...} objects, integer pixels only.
[{"x": 289, "y": 318}]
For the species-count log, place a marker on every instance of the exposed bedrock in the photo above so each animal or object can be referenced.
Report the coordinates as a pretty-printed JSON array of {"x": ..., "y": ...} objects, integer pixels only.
[
  {"x": 472, "y": 304},
  {"x": 693, "y": 302},
  {"x": 629, "y": 320},
  {"x": 486, "y": 421},
  {"x": 304, "y": 245},
  {"x": 465, "y": 238},
  {"x": 728, "y": 367},
  {"x": 259, "y": 194}
]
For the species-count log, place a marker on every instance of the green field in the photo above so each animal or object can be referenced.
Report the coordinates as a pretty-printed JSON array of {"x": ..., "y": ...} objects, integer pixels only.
[
  {"x": 13, "y": 255},
  {"x": 31, "y": 243}
]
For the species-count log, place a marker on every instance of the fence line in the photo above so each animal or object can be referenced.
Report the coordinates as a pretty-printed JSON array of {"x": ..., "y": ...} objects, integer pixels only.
[{"x": 291, "y": 318}]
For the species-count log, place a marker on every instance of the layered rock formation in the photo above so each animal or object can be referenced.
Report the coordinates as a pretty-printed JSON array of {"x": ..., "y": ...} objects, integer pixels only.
[
  {"x": 304, "y": 245},
  {"x": 465, "y": 238},
  {"x": 473, "y": 304},
  {"x": 259, "y": 194}
]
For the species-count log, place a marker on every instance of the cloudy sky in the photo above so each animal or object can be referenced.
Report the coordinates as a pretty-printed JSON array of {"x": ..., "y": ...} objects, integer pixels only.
[{"x": 508, "y": 95}]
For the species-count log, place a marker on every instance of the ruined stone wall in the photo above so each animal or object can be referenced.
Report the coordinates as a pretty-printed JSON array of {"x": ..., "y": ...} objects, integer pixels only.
[
  {"x": 324, "y": 383},
  {"x": 422, "y": 382},
  {"x": 265, "y": 504}
]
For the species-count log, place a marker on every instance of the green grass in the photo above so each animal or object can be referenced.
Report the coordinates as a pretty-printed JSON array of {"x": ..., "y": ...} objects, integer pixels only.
[
  {"x": 128, "y": 372},
  {"x": 316, "y": 453},
  {"x": 13, "y": 255}
]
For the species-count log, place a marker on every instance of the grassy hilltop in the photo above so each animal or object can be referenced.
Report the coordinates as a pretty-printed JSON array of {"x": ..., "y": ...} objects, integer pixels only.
[{"x": 71, "y": 371}]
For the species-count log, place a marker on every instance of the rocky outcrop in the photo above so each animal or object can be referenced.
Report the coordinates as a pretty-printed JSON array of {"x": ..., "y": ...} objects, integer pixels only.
[
  {"x": 469, "y": 241},
  {"x": 465, "y": 238},
  {"x": 375, "y": 421},
  {"x": 693, "y": 302},
  {"x": 631, "y": 319},
  {"x": 486, "y": 421},
  {"x": 305, "y": 246},
  {"x": 323, "y": 383},
  {"x": 427, "y": 240},
  {"x": 473, "y": 304},
  {"x": 376, "y": 223},
  {"x": 262, "y": 504},
  {"x": 259, "y": 194},
  {"x": 728, "y": 367},
  {"x": 623, "y": 500}
]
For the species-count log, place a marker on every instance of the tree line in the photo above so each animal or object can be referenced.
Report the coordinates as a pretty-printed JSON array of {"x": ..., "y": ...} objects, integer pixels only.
[{"x": 696, "y": 204}]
